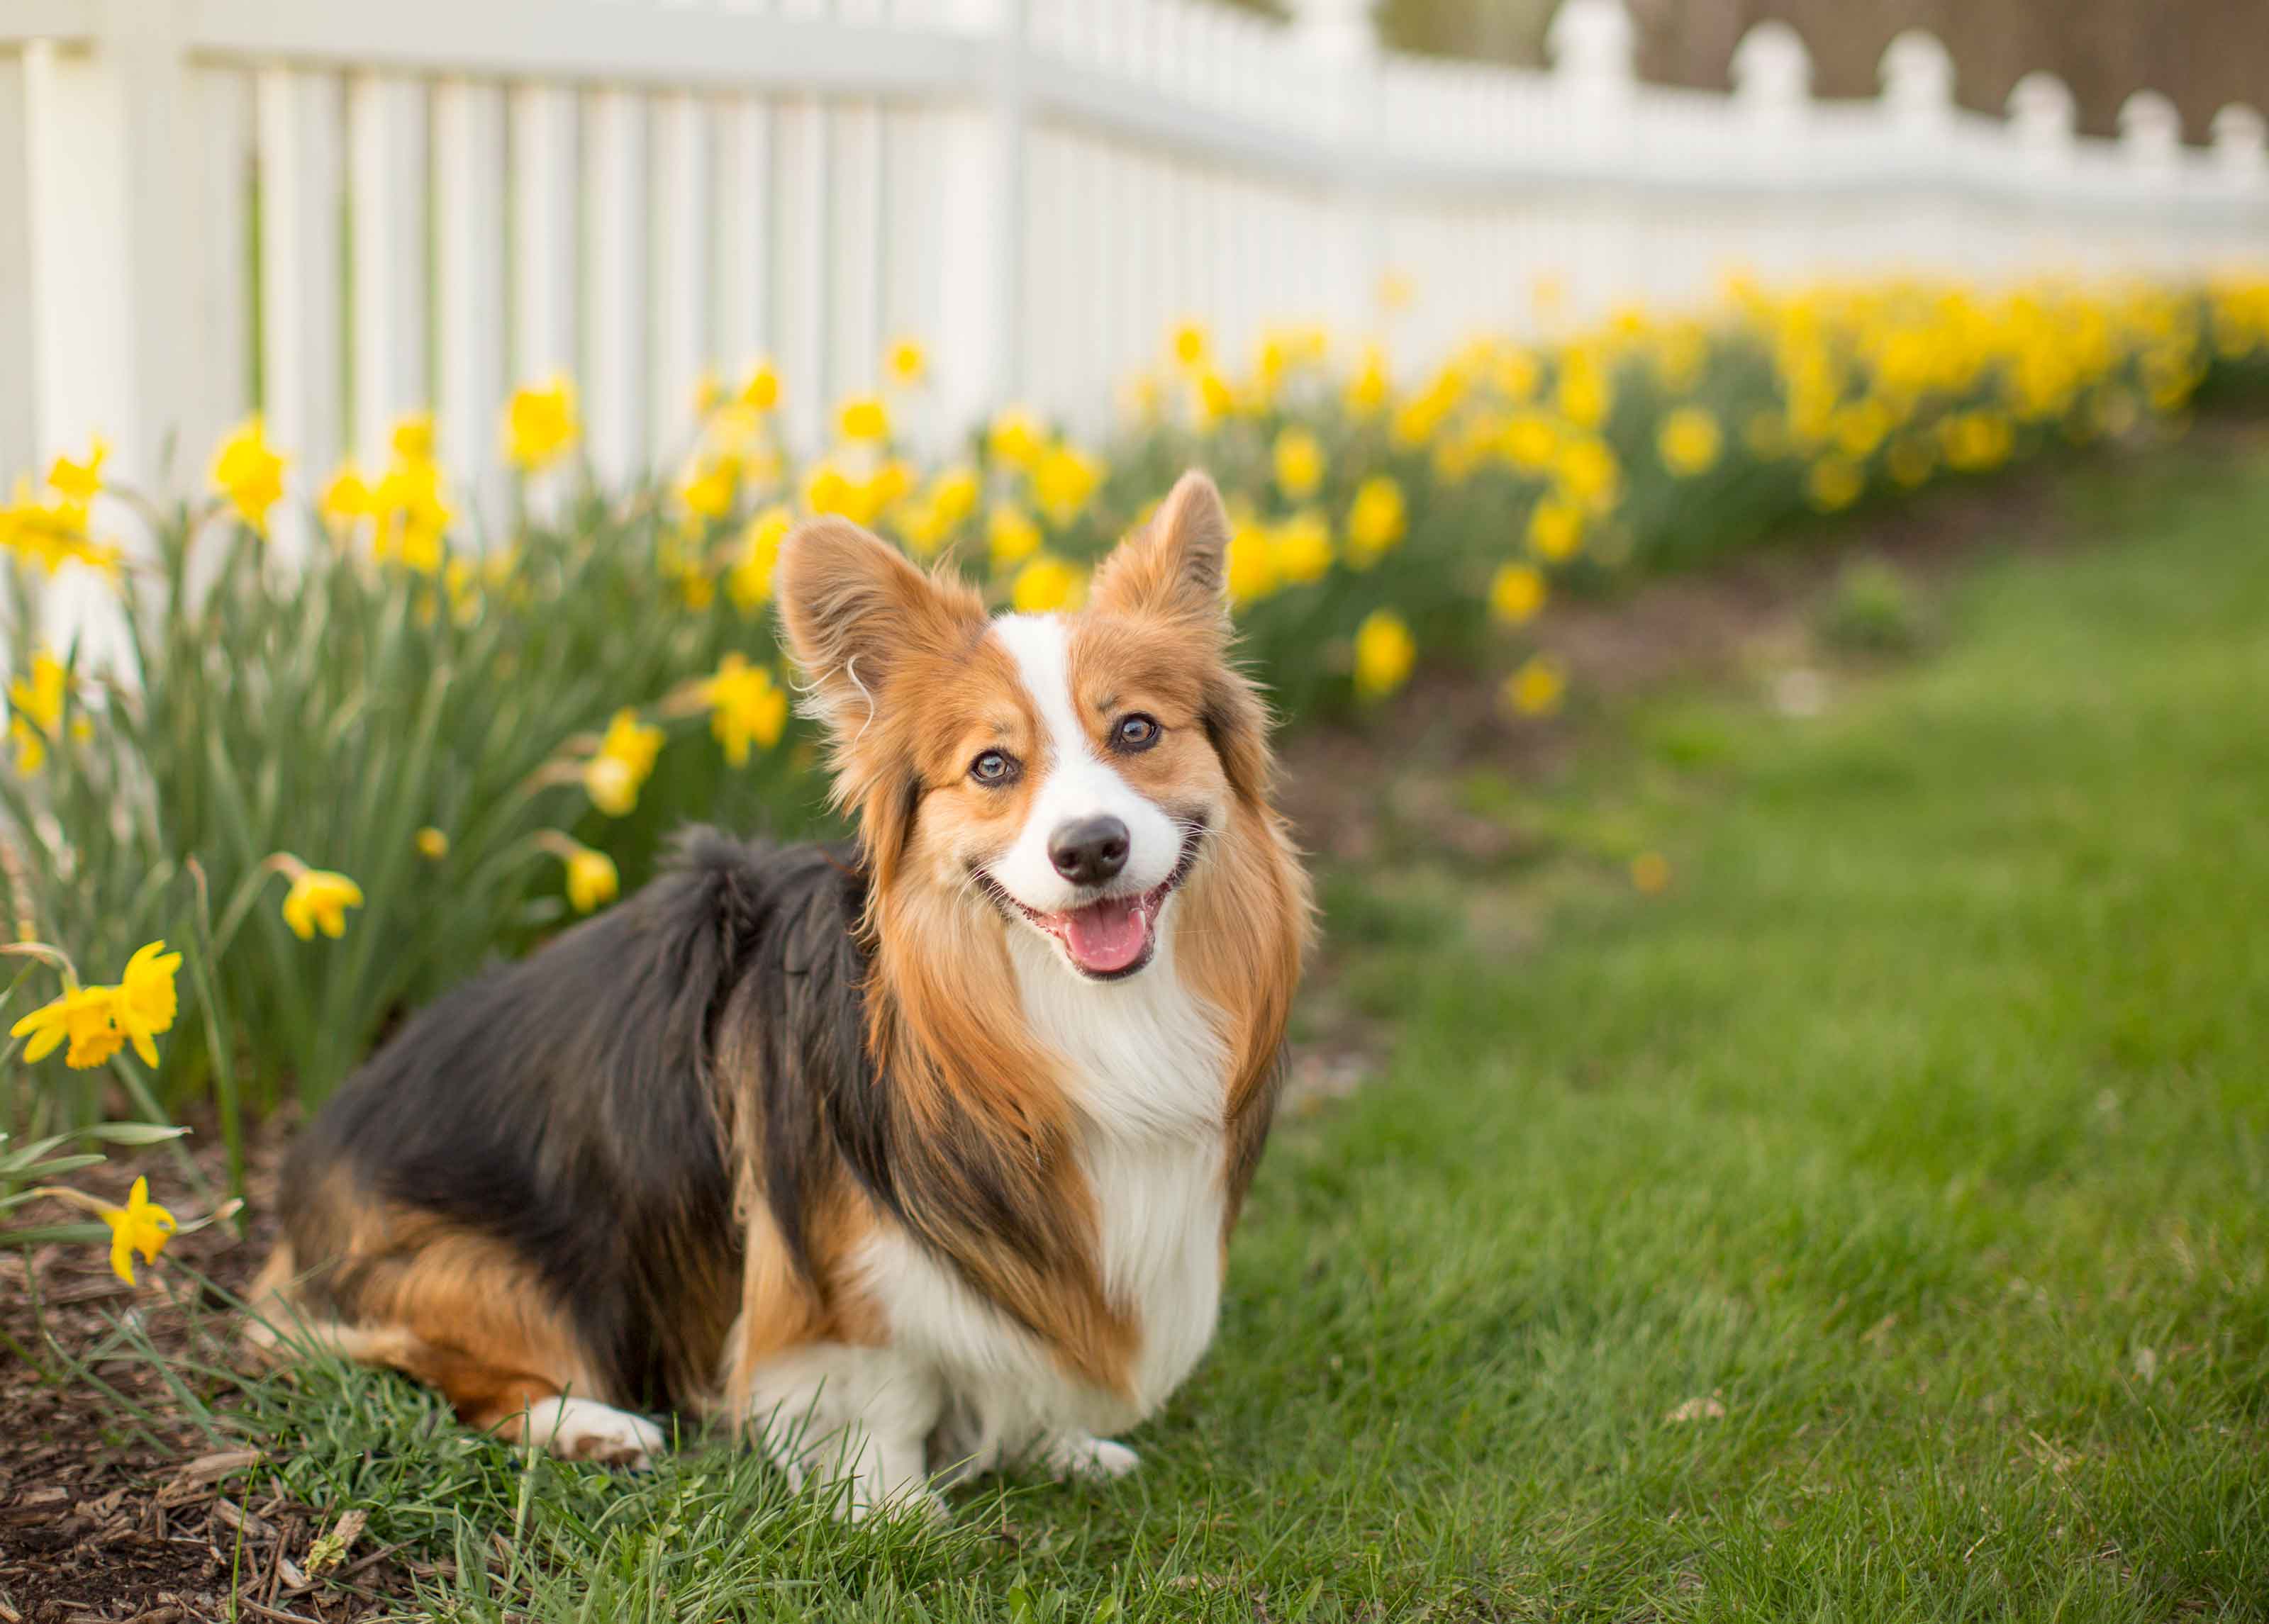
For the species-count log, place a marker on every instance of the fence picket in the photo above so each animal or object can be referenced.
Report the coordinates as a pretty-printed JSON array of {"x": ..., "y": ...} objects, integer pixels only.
[{"x": 468, "y": 137}]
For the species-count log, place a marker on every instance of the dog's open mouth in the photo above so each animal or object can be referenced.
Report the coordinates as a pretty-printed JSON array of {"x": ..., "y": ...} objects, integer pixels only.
[{"x": 1112, "y": 936}]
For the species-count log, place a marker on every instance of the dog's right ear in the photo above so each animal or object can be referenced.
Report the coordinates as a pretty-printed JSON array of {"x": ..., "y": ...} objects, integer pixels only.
[{"x": 854, "y": 610}]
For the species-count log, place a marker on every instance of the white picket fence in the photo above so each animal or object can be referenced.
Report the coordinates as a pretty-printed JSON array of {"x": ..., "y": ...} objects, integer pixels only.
[{"x": 339, "y": 210}]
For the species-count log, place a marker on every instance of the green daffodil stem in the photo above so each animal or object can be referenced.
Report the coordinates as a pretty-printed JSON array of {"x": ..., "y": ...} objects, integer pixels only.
[
  {"x": 219, "y": 1033},
  {"x": 145, "y": 1101}
]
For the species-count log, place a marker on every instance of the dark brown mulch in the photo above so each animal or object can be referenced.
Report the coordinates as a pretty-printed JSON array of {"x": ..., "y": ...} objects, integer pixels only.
[{"x": 104, "y": 1519}]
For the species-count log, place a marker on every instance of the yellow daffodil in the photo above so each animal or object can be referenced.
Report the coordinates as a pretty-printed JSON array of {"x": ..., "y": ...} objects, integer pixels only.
[
  {"x": 593, "y": 881},
  {"x": 1044, "y": 585},
  {"x": 1538, "y": 687},
  {"x": 745, "y": 707},
  {"x": 1516, "y": 593},
  {"x": 760, "y": 391},
  {"x": 1189, "y": 343},
  {"x": 35, "y": 705},
  {"x": 954, "y": 493},
  {"x": 143, "y": 1002},
  {"x": 1366, "y": 392},
  {"x": 620, "y": 768},
  {"x": 80, "y": 481},
  {"x": 748, "y": 582},
  {"x": 1588, "y": 473},
  {"x": 1015, "y": 437},
  {"x": 1377, "y": 520},
  {"x": 1584, "y": 395},
  {"x": 541, "y": 425},
  {"x": 140, "y": 1226},
  {"x": 864, "y": 418},
  {"x": 411, "y": 438},
  {"x": 1299, "y": 460},
  {"x": 1688, "y": 442},
  {"x": 709, "y": 489},
  {"x": 248, "y": 473},
  {"x": 1063, "y": 479},
  {"x": 1556, "y": 529},
  {"x": 1301, "y": 546},
  {"x": 1384, "y": 654},
  {"x": 1011, "y": 536},
  {"x": 51, "y": 533},
  {"x": 319, "y": 900},
  {"x": 1251, "y": 567},
  {"x": 346, "y": 498},
  {"x": 908, "y": 362},
  {"x": 83, "y": 1016},
  {"x": 1529, "y": 442},
  {"x": 431, "y": 844},
  {"x": 1515, "y": 375},
  {"x": 1216, "y": 397}
]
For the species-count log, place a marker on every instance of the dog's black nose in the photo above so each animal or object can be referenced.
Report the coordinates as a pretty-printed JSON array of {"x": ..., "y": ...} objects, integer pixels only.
[{"x": 1090, "y": 850}]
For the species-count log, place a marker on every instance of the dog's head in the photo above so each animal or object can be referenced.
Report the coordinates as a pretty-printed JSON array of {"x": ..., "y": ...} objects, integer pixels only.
[{"x": 1065, "y": 772}]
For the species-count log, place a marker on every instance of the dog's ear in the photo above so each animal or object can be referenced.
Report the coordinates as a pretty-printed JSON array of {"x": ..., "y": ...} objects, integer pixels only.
[
  {"x": 854, "y": 609},
  {"x": 1176, "y": 565}
]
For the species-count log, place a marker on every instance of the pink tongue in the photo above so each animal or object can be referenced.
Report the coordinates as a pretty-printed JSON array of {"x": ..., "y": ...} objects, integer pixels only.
[{"x": 1106, "y": 935}]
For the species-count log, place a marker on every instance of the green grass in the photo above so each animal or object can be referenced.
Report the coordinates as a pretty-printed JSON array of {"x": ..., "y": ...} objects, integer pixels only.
[{"x": 1919, "y": 1127}]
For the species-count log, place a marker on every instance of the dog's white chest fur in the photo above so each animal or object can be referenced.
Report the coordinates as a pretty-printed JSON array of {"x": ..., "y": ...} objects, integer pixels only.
[{"x": 1146, "y": 1069}]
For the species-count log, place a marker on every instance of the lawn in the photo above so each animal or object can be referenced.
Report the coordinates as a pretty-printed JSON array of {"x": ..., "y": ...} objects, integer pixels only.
[{"x": 1872, "y": 1225}]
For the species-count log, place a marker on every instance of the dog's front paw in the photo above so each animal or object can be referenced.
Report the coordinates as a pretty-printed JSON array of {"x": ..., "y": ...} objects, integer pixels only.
[
  {"x": 585, "y": 1429},
  {"x": 1074, "y": 1457}
]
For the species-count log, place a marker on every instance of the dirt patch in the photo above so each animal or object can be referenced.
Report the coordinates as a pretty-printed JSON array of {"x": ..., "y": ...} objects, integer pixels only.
[{"x": 106, "y": 1516}]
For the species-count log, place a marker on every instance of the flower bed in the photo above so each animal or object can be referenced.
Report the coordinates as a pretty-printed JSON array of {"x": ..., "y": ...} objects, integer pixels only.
[{"x": 339, "y": 787}]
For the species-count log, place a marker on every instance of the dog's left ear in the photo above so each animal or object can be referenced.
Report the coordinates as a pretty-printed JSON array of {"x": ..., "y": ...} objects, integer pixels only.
[
  {"x": 855, "y": 610},
  {"x": 1176, "y": 565}
]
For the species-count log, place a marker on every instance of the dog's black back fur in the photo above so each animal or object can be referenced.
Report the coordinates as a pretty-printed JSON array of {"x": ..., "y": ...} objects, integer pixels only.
[{"x": 569, "y": 1106}]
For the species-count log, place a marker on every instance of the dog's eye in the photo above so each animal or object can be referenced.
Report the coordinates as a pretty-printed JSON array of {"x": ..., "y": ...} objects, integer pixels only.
[
  {"x": 994, "y": 768},
  {"x": 1137, "y": 732}
]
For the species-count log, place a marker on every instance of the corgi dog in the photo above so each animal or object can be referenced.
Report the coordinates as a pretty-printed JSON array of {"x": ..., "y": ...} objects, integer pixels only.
[{"x": 909, "y": 1158}]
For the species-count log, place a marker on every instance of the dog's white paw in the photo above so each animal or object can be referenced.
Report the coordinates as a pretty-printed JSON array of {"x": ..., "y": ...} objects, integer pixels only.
[
  {"x": 1075, "y": 1457},
  {"x": 585, "y": 1429}
]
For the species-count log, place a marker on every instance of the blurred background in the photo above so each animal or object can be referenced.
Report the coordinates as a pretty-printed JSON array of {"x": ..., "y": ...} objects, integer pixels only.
[
  {"x": 339, "y": 212},
  {"x": 2202, "y": 54}
]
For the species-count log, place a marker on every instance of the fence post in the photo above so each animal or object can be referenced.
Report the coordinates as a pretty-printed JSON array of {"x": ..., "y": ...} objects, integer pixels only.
[
  {"x": 1595, "y": 65},
  {"x": 2150, "y": 132},
  {"x": 1917, "y": 80},
  {"x": 1340, "y": 41},
  {"x": 983, "y": 170},
  {"x": 2041, "y": 121},
  {"x": 115, "y": 347},
  {"x": 2238, "y": 133},
  {"x": 1772, "y": 87}
]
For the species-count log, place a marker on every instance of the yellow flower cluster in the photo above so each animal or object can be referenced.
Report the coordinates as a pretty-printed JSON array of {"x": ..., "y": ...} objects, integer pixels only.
[
  {"x": 407, "y": 510},
  {"x": 50, "y": 530},
  {"x": 97, "y": 1021},
  {"x": 622, "y": 762}
]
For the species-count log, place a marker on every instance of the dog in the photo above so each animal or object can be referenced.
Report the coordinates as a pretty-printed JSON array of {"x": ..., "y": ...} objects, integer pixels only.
[{"x": 908, "y": 1158}]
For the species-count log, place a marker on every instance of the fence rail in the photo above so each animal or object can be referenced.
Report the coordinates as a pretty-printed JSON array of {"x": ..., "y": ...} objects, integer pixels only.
[{"x": 337, "y": 211}]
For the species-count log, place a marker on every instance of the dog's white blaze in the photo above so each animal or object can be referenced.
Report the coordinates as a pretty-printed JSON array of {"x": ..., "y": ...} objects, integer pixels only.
[{"x": 1073, "y": 781}]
